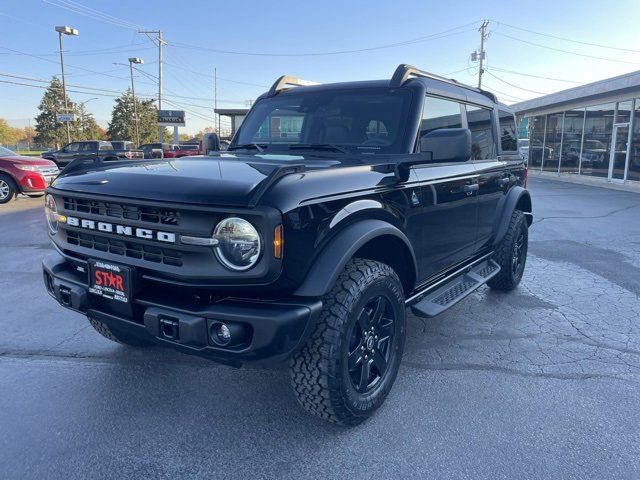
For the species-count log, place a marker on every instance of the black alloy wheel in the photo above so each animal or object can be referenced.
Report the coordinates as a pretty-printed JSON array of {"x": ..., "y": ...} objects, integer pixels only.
[
  {"x": 350, "y": 361},
  {"x": 370, "y": 344}
]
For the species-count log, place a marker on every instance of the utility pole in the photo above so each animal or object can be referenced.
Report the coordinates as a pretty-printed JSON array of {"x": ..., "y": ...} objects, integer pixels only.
[
  {"x": 160, "y": 43},
  {"x": 137, "y": 61},
  {"x": 483, "y": 37},
  {"x": 216, "y": 117},
  {"x": 64, "y": 30}
]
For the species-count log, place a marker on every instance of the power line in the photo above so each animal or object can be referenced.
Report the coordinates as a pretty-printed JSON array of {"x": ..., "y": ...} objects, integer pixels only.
[
  {"x": 208, "y": 75},
  {"x": 599, "y": 45},
  {"x": 515, "y": 86},
  {"x": 491, "y": 89},
  {"x": 94, "y": 14},
  {"x": 563, "y": 51},
  {"x": 100, "y": 51},
  {"x": 435, "y": 36},
  {"x": 535, "y": 76},
  {"x": 107, "y": 92}
]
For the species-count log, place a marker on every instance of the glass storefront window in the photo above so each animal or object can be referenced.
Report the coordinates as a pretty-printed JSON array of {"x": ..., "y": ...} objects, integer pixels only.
[
  {"x": 553, "y": 142},
  {"x": 634, "y": 156},
  {"x": 596, "y": 148},
  {"x": 623, "y": 114},
  {"x": 572, "y": 140},
  {"x": 536, "y": 132}
]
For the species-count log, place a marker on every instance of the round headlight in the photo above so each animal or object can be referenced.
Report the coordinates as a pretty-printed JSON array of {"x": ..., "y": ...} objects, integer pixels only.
[
  {"x": 51, "y": 211},
  {"x": 239, "y": 244}
]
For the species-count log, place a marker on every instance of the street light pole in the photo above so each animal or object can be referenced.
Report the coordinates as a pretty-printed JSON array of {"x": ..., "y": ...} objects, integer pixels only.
[
  {"x": 66, "y": 31},
  {"x": 137, "y": 61}
]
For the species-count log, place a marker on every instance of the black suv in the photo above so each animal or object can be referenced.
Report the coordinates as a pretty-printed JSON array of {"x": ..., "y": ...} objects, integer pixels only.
[
  {"x": 84, "y": 150},
  {"x": 335, "y": 208}
]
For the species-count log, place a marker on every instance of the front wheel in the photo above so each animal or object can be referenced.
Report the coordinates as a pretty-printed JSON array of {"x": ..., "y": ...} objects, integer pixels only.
[
  {"x": 8, "y": 189},
  {"x": 350, "y": 362},
  {"x": 511, "y": 254}
]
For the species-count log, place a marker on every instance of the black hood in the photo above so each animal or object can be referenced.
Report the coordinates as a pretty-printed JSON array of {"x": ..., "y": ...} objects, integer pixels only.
[{"x": 214, "y": 180}]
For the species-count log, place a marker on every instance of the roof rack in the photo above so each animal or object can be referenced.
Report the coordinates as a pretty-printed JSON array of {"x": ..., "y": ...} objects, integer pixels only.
[
  {"x": 405, "y": 71},
  {"x": 284, "y": 80}
]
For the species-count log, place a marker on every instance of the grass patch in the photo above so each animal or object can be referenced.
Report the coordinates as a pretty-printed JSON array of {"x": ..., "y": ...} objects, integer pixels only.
[{"x": 30, "y": 153}]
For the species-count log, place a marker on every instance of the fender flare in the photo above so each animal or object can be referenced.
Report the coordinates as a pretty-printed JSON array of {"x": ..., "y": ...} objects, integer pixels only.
[
  {"x": 510, "y": 201},
  {"x": 341, "y": 248}
]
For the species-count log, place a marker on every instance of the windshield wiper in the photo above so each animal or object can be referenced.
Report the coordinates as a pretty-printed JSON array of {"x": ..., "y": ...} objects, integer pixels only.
[
  {"x": 318, "y": 146},
  {"x": 247, "y": 146}
]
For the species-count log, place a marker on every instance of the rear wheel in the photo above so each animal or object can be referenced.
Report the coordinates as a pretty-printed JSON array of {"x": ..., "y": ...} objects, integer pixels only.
[
  {"x": 8, "y": 188},
  {"x": 350, "y": 362},
  {"x": 117, "y": 336},
  {"x": 511, "y": 254}
]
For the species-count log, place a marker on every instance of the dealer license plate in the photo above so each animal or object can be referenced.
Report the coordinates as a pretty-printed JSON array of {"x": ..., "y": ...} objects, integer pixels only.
[{"x": 110, "y": 281}]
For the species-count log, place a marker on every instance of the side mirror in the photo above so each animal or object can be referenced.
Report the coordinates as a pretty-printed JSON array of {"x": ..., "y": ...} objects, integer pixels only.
[{"x": 447, "y": 145}]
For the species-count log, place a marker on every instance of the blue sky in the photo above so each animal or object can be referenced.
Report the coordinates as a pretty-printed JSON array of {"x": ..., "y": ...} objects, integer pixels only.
[{"x": 276, "y": 29}]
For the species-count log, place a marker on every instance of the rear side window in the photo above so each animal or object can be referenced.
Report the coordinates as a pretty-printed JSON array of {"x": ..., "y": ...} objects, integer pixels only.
[
  {"x": 483, "y": 142},
  {"x": 439, "y": 113},
  {"x": 105, "y": 146},
  {"x": 508, "y": 135}
]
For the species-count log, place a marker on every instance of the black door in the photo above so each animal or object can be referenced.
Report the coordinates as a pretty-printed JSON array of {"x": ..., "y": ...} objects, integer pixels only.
[
  {"x": 447, "y": 213},
  {"x": 67, "y": 154},
  {"x": 493, "y": 179}
]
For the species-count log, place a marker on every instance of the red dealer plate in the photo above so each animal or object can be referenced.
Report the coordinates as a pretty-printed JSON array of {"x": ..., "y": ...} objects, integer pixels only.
[{"x": 110, "y": 281}]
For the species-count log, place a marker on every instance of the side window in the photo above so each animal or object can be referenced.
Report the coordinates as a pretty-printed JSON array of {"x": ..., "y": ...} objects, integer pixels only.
[
  {"x": 508, "y": 134},
  {"x": 72, "y": 147},
  {"x": 439, "y": 113},
  {"x": 483, "y": 143},
  {"x": 88, "y": 147}
]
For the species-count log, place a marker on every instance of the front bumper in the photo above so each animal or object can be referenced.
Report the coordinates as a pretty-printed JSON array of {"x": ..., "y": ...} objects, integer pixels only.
[{"x": 271, "y": 329}]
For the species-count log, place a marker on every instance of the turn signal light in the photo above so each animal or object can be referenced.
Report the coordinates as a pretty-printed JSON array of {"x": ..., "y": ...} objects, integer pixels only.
[{"x": 278, "y": 242}]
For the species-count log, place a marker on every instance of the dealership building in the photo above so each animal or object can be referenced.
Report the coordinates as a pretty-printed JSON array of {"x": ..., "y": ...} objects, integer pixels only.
[{"x": 589, "y": 130}]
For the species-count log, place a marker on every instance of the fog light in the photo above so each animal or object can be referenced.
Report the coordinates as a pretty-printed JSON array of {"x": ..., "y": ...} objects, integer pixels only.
[
  {"x": 223, "y": 333},
  {"x": 227, "y": 334}
]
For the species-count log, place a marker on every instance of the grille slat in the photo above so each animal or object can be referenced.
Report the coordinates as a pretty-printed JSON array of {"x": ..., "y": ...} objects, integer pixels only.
[
  {"x": 152, "y": 215},
  {"x": 125, "y": 248}
]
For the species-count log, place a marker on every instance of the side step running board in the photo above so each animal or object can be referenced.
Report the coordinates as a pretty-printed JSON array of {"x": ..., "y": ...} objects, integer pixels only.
[{"x": 455, "y": 289}]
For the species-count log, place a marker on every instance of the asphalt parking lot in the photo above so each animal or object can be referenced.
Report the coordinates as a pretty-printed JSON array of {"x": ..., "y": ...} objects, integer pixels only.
[{"x": 543, "y": 382}]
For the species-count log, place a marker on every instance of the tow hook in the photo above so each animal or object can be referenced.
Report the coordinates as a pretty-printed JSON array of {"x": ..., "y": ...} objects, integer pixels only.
[{"x": 169, "y": 328}]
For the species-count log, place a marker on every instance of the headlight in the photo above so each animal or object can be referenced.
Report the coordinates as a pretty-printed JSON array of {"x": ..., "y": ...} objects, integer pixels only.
[
  {"x": 238, "y": 244},
  {"x": 51, "y": 211},
  {"x": 29, "y": 168}
]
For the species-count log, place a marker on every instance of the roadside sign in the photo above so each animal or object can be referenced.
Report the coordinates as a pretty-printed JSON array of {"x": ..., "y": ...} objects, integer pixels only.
[
  {"x": 167, "y": 118},
  {"x": 65, "y": 117}
]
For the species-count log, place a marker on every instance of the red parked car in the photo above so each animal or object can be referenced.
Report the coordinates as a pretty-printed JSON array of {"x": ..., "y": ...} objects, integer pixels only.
[{"x": 28, "y": 175}]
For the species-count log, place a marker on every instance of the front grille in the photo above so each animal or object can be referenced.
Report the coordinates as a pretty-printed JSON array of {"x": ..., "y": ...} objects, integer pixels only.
[
  {"x": 160, "y": 216},
  {"x": 47, "y": 171},
  {"x": 125, "y": 248}
]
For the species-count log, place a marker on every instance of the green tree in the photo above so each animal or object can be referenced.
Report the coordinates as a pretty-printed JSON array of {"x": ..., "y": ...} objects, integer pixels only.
[
  {"x": 48, "y": 130},
  {"x": 86, "y": 127},
  {"x": 122, "y": 126}
]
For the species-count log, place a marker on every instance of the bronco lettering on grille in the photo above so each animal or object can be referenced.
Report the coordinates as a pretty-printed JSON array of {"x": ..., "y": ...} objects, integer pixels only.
[{"x": 124, "y": 230}]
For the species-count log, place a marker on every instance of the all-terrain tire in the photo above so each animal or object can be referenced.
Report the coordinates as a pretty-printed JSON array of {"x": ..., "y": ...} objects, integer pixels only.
[
  {"x": 511, "y": 254},
  {"x": 8, "y": 188},
  {"x": 321, "y": 372},
  {"x": 117, "y": 336}
]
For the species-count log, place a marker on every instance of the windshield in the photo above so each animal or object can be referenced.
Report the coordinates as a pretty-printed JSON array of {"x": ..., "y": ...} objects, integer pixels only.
[
  {"x": 368, "y": 121},
  {"x": 5, "y": 152}
]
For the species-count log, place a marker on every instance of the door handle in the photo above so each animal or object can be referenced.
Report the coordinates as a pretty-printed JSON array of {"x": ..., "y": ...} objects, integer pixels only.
[
  {"x": 469, "y": 189},
  {"x": 503, "y": 181}
]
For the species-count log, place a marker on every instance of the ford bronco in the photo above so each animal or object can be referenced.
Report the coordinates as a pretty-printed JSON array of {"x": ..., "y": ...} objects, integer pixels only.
[{"x": 335, "y": 208}]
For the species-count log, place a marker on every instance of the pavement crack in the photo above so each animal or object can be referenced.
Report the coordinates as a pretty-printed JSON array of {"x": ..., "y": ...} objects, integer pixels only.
[{"x": 512, "y": 371}]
